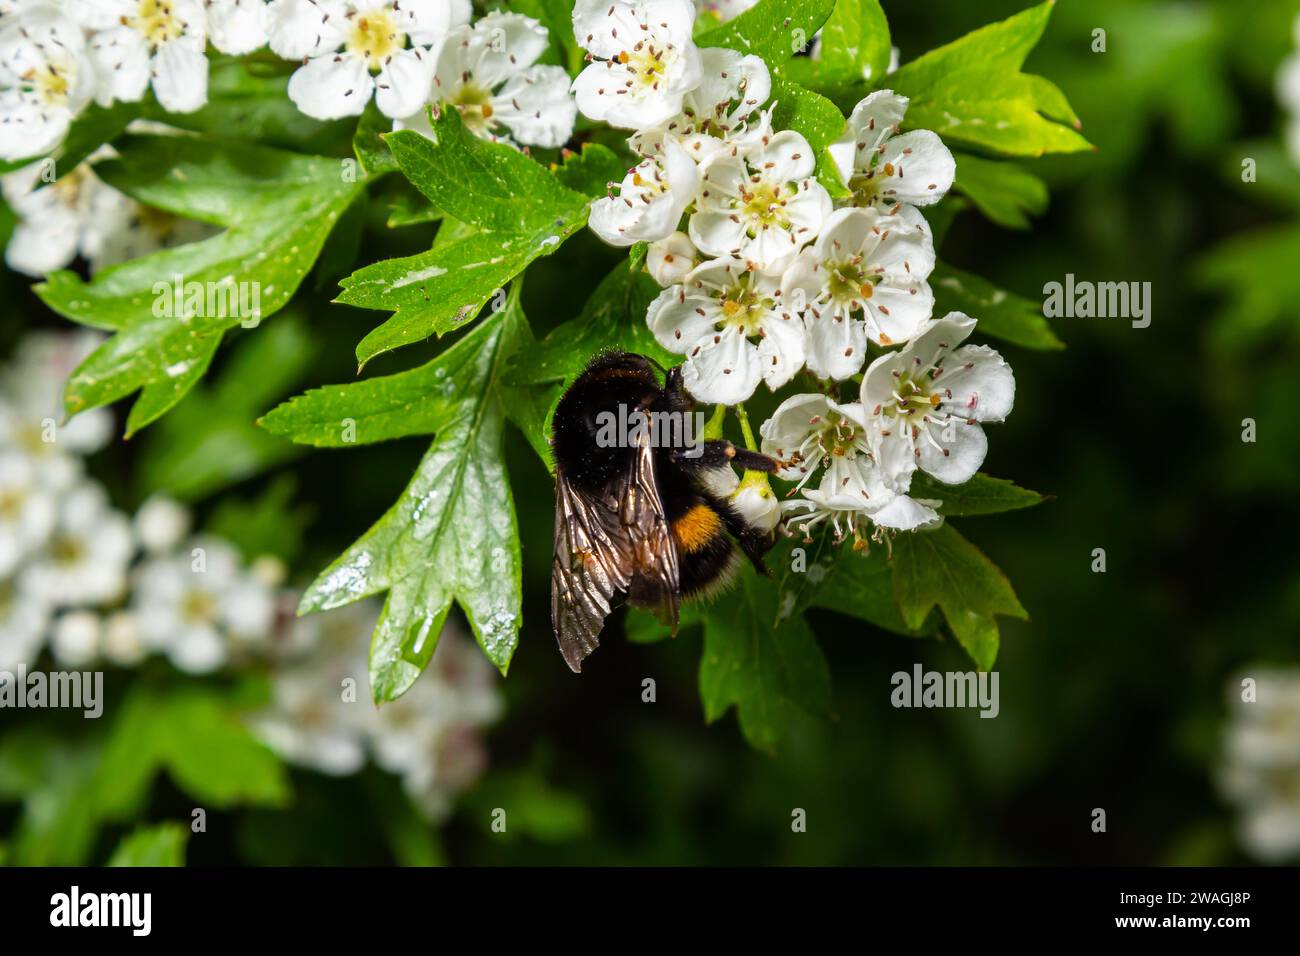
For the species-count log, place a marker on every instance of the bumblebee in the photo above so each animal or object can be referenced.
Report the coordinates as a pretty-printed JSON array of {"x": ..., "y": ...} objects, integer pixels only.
[{"x": 645, "y": 520}]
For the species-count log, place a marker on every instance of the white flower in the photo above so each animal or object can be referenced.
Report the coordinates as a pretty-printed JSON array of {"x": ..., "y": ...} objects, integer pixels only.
[
  {"x": 761, "y": 204},
  {"x": 319, "y": 708},
  {"x": 928, "y": 399},
  {"x": 645, "y": 61},
  {"x": 321, "y": 717},
  {"x": 650, "y": 200},
  {"x": 237, "y": 26},
  {"x": 490, "y": 74},
  {"x": 121, "y": 641},
  {"x": 74, "y": 216},
  {"x": 31, "y": 406},
  {"x": 716, "y": 112},
  {"x": 728, "y": 320},
  {"x": 75, "y": 640},
  {"x": 883, "y": 167},
  {"x": 810, "y": 434},
  {"x": 754, "y": 501},
  {"x": 1261, "y": 771},
  {"x": 46, "y": 77},
  {"x": 24, "y": 618},
  {"x": 27, "y": 510},
  {"x": 160, "y": 524},
  {"x": 669, "y": 260},
  {"x": 150, "y": 41},
  {"x": 357, "y": 48},
  {"x": 431, "y": 736},
  {"x": 87, "y": 555},
  {"x": 863, "y": 279},
  {"x": 200, "y": 607}
]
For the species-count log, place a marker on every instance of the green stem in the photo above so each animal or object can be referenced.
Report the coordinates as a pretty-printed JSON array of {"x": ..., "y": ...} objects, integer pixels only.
[
  {"x": 713, "y": 428},
  {"x": 745, "y": 429}
]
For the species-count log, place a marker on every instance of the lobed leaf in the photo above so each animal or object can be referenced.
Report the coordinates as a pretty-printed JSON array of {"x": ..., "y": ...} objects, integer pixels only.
[
  {"x": 452, "y": 535},
  {"x": 278, "y": 209},
  {"x": 1001, "y": 314},
  {"x": 941, "y": 568},
  {"x": 972, "y": 91}
]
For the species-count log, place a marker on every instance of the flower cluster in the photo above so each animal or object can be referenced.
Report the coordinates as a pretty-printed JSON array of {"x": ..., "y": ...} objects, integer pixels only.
[
  {"x": 97, "y": 586},
  {"x": 56, "y": 58},
  {"x": 320, "y": 716},
  {"x": 80, "y": 216},
  {"x": 770, "y": 276},
  {"x": 1261, "y": 770},
  {"x": 95, "y": 583}
]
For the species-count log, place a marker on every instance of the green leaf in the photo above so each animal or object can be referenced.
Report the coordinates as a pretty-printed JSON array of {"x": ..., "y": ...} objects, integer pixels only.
[
  {"x": 861, "y": 585},
  {"x": 162, "y": 844},
  {"x": 591, "y": 171},
  {"x": 764, "y": 671},
  {"x": 535, "y": 807},
  {"x": 972, "y": 91},
  {"x": 855, "y": 45},
  {"x": 1002, "y": 191},
  {"x": 368, "y": 143},
  {"x": 489, "y": 185},
  {"x": 440, "y": 290},
  {"x": 452, "y": 535},
  {"x": 198, "y": 737},
  {"x": 278, "y": 208},
  {"x": 981, "y": 495},
  {"x": 1001, "y": 314},
  {"x": 772, "y": 29},
  {"x": 1254, "y": 275},
  {"x": 557, "y": 17},
  {"x": 612, "y": 318},
  {"x": 818, "y": 120},
  {"x": 941, "y": 568},
  {"x": 211, "y": 440}
]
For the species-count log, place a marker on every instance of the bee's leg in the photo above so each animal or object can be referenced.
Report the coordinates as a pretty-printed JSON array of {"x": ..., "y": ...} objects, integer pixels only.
[{"x": 719, "y": 451}]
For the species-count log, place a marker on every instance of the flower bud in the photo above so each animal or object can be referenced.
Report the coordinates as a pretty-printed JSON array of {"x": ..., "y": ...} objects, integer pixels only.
[{"x": 754, "y": 500}]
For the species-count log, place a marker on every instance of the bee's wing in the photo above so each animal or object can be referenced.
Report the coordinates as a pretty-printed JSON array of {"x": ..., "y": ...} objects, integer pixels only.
[
  {"x": 605, "y": 547},
  {"x": 655, "y": 582}
]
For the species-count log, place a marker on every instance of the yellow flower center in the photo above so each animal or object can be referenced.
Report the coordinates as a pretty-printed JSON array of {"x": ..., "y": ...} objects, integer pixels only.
[
  {"x": 475, "y": 106},
  {"x": 157, "y": 22},
  {"x": 646, "y": 63},
  {"x": 198, "y": 606},
  {"x": 764, "y": 206},
  {"x": 375, "y": 37}
]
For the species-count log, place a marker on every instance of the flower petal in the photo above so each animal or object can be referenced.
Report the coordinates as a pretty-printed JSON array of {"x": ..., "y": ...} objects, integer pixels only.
[
  {"x": 180, "y": 77},
  {"x": 537, "y": 107},
  {"x": 723, "y": 370},
  {"x": 402, "y": 86},
  {"x": 331, "y": 87}
]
